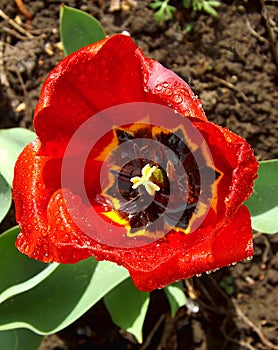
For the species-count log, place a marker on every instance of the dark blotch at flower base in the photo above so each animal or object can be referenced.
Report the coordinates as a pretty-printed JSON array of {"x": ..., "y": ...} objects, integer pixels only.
[{"x": 111, "y": 72}]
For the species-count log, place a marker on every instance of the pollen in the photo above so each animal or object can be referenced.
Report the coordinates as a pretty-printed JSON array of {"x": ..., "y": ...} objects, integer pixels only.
[{"x": 145, "y": 180}]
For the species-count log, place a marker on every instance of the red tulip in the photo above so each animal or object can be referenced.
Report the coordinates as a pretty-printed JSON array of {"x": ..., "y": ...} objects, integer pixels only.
[{"x": 160, "y": 192}]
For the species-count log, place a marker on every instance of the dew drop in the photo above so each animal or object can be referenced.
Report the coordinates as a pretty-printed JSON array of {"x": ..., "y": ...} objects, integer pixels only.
[
  {"x": 58, "y": 221},
  {"x": 65, "y": 238},
  {"x": 198, "y": 275},
  {"x": 158, "y": 87},
  {"x": 26, "y": 248},
  {"x": 45, "y": 247},
  {"x": 52, "y": 239},
  {"x": 208, "y": 272},
  {"x": 165, "y": 84},
  {"x": 210, "y": 258},
  {"x": 177, "y": 98},
  {"x": 83, "y": 79},
  {"x": 249, "y": 258},
  {"x": 168, "y": 92},
  {"x": 187, "y": 258},
  {"x": 44, "y": 232},
  {"x": 41, "y": 186}
]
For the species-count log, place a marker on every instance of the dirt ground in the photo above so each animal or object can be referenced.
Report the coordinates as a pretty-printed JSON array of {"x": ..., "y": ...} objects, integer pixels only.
[{"x": 231, "y": 62}]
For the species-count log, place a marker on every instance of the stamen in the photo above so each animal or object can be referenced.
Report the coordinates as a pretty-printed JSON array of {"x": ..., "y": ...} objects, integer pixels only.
[{"x": 147, "y": 172}]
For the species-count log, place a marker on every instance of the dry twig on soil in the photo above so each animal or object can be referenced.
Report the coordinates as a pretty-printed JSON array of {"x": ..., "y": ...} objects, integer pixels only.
[
  {"x": 22, "y": 9},
  {"x": 15, "y": 25},
  {"x": 255, "y": 328}
]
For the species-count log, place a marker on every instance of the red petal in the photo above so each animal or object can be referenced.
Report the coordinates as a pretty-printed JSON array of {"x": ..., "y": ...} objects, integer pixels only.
[
  {"x": 168, "y": 88},
  {"x": 94, "y": 78},
  {"x": 232, "y": 243},
  {"x": 233, "y": 156}
]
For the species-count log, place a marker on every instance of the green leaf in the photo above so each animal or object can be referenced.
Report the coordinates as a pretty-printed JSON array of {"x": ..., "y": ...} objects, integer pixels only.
[
  {"x": 19, "y": 339},
  {"x": 209, "y": 9},
  {"x": 29, "y": 284},
  {"x": 263, "y": 204},
  {"x": 176, "y": 296},
  {"x": 18, "y": 267},
  {"x": 128, "y": 307},
  {"x": 56, "y": 298},
  {"x": 12, "y": 142},
  {"x": 78, "y": 29},
  {"x": 5, "y": 198}
]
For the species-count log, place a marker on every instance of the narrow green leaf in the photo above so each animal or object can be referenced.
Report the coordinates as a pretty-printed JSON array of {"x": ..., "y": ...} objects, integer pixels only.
[
  {"x": 5, "y": 198},
  {"x": 78, "y": 29},
  {"x": 128, "y": 307},
  {"x": 12, "y": 142},
  {"x": 61, "y": 298},
  {"x": 16, "y": 267},
  {"x": 19, "y": 339},
  {"x": 176, "y": 296},
  {"x": 30, "y": 283},
  {"x": 263, "y": 204}
]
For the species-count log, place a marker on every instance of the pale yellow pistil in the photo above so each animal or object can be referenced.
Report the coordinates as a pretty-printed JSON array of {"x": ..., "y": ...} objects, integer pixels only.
[{"x": 145, "y": 180}]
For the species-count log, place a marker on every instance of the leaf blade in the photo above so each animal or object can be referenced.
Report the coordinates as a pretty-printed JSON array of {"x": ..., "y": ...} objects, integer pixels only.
[
  {"x": 128, "y": 313},
  {"x": 5, "y": 198},
  {"x": 175, "y": 296},
  {"x": 12, "y": 142},
  {"x": 78, "y": 29},
  {"x": 263, "y": 204}
]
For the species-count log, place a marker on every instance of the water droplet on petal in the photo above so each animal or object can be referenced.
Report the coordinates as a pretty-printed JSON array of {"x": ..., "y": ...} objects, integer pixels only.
[
  {"x": 168, "y": 92},
  {"x": 187, "y": 258},
  {"x": 210, "y": 258},
  {"x": 44, "y": 232},
  {"x": 198, "y": 275},
  {"x": 58, "y": 221},
  {"x": 45, "y": 247},
  {"x": 158, "y": 87},
  {"x": 41, "y": 186},
  {"x": 65, "y": 238},
  {"x": 165, "y": 84},
  {"x": 26, "y": 248},
  {"x": 177, "y": 98}
]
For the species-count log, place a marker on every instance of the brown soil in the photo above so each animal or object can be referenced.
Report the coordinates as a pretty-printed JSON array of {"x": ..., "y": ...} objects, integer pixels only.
[{"x": 231, "y": 62}]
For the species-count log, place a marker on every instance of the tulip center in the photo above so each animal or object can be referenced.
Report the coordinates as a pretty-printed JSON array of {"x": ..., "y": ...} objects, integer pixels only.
[
  {"x": 149, "y": 176},
  {"x": 154, "y": 181}
]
